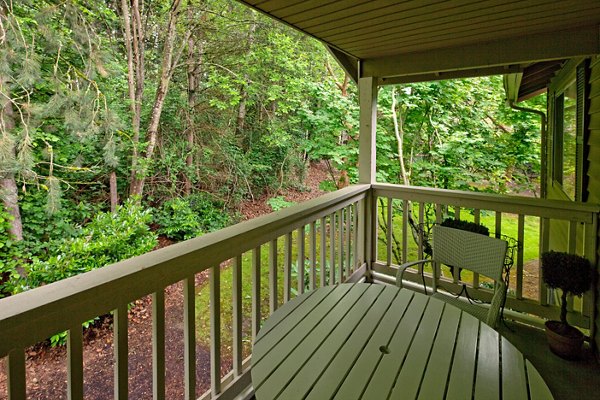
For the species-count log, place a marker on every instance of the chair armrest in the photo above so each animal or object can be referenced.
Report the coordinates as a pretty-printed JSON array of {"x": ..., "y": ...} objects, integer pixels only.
[{"x": 403, "y": 267}]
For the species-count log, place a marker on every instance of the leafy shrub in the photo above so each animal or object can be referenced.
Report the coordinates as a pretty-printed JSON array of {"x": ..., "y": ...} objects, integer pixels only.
[
  {"x": 108, "y": 238},
  {"x": 569, "y": 272},
  {"x": 278, "y": 203},
  {"x": 211, "y": 212},
  {"x": 186, "y": 218},
  {"x": 177, "y": 220},
  {"x": 41, "y": 229},
  {"x": 466, "y": 226},
  {"x": 10, "y": 253}
]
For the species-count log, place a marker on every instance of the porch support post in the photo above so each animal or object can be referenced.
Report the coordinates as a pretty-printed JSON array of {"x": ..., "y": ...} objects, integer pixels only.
[{"x": 367, "y": 88}]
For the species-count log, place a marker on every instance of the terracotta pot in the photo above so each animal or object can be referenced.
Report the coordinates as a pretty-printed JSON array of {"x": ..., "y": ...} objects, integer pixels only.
[{"x": 564, "y": 340}]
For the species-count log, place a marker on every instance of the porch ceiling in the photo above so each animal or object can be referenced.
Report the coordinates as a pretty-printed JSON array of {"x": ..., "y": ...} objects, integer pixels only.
[{"x": 423, "y": 38}]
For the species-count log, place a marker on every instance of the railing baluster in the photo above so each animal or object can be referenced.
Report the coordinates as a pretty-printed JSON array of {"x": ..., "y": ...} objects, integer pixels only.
[
  {"x": 348, "y": 243},
  {"x": 457, "y": 213},
  {"x": 75, "y": 362},
  {"x": 361, "y": 228},
  {"x": 189, "y": 336},
  {"x": 215, "y": 330},
  {"x": 313, "y": 256},
  {"x": 238, "y": 357},
  {"x": 477, "y": 220},
  {"x": 520, "y": 255},
  {"x": 590, "y": 239},
  {"x": 405, "y": 206},
  {"x": 16, "y": 379},
  {"x": 300, "y": 244},
  {"x": 573, "y": 250},
  {"x": 390, "y": 227},
  {"x": 421, "y": 232},
  {"x": 332, "y": 228},
  {"x": 121, "y": 352},
  {"x": 273, "y": 276},
  {"x": 340, "y": 218},
  {"x": 374, "y": 206},
  {"x": 287, "y": 268},
  {"x": 256, "y": 300},
  {"x": 438, "y": 213},
  {"x": 544, "y": 246},
  {"x": 158, "y": 344},
  {"x": 498, "y": 224},
  {"x": 355, "y": 262},
  {"x": 323, "y": 252}
]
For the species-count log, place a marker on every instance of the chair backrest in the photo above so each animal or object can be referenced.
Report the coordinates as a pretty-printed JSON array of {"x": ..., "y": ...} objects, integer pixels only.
[{"x": 468, "y": 250}]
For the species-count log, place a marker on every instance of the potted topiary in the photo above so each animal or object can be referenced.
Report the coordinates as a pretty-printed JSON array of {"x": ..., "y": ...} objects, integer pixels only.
[{"x": 571, "y": 274}]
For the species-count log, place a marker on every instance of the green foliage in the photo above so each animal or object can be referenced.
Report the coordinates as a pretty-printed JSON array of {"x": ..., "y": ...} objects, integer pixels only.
[
  {"x": 466, "y": 226},
  {"x": 107, "y": 239},
  {"x": 295, "y": 275},
  {"x": 279, "y": 202},
  {"x": 10, "y": 255},
  {"x": 186, "y": 218},
  {"x": 568, "y": 272}
]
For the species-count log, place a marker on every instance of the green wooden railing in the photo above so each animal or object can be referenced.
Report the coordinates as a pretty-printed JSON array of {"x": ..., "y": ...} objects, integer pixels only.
[
  {"x": 532, "y": 225},
  {"x": 31, "y": 317},
  {"x": 335, "y": 238}
]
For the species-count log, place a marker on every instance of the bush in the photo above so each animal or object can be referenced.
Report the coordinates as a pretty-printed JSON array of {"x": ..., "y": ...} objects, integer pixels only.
[
  {"x": 278, "y": 203},
  {"x": 107, "y": 239},
  {"x": 10, "y": 253},
  {"x": 189, "y": 217},
  {"x": 568, "y": 272},
  {"x": 466, "y": 226}
]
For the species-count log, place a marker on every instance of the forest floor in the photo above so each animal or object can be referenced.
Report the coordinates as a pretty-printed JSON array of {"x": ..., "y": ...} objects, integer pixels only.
[{"x": 46, "y": 366}]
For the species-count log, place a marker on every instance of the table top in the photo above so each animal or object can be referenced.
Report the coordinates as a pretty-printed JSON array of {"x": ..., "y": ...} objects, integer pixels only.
[{"x": 372, "y": 341}]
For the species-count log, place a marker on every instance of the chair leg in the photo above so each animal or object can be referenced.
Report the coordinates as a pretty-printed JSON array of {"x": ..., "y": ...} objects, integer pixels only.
[{"x": 424, "y": 285}]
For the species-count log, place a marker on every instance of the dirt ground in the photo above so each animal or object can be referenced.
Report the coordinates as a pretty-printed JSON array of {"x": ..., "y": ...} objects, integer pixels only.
[{"x": 46, "y": 366}]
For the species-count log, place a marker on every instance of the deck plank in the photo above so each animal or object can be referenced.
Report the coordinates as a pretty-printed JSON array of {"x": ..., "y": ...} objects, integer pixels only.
[
  {"x": 376, "y": 361},
  {"x": 538, "y": 390},
  {"x": 514, "y": 385},
  {"x": 487, "y": 379},
  {"x": 440, "y": 361},
  {"x": 409, "y": 379},
  {"x": 358, "y": 352},
  {"x": 460, "y": 385},
  {"x": 293, "y": 350},
  {"x": 360, "y": 319}
]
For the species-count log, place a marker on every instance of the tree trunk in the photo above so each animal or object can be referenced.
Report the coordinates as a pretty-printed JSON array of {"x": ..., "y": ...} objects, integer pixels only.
[
  {"x": 134, "y": 45},
  {"x": 343, "y": 137},
  {"x": 167, "y": 67},
  {"x": 8, "y": 184},
  {"x": 399, "y": 132},
  {"x": 194, "y": 60},
  {"x": 114, "y": 195},
  {"x": 241, "y": 115}
]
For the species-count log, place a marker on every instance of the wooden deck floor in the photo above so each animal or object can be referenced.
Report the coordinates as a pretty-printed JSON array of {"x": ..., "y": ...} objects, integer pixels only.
[{"x": 567, "y": 380}]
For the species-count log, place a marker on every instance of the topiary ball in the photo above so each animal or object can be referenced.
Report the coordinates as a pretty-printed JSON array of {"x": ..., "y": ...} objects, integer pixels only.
[{"x": 568, "y": 272}]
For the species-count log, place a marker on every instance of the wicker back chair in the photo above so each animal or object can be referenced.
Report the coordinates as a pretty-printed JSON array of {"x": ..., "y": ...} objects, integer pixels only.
[{"x": 469, "y": 251}]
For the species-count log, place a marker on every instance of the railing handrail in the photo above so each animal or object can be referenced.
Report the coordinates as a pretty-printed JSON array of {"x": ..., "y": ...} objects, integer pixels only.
[
  {"x": 545, "y": 208},
  {"x": 32, "y": 316}
]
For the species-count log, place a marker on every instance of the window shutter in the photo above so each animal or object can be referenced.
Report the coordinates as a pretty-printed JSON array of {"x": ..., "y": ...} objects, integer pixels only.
[{"x": 582, "y": 118}]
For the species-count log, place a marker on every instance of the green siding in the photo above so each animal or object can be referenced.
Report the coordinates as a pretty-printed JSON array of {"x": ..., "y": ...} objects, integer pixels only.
[{"x": 593, "y": 158}]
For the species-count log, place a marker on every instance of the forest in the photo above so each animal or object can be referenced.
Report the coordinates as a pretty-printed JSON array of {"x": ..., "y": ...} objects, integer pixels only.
[{"x": 125, "y": 120}]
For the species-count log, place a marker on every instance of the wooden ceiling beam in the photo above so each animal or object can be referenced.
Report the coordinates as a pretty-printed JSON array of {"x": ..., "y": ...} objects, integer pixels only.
[
  {"x": 348, "y": 64},
  {"x": 438, "y": 76},
  {"x": 580, "y": 41}
]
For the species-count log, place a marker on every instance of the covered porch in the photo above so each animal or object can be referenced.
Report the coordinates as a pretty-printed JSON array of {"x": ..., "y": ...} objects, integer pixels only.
[{"x": 359, "y": 233}]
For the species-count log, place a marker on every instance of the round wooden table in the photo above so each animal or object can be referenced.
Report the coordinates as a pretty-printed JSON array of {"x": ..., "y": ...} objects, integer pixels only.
[{"x": 371, "y": 341}]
